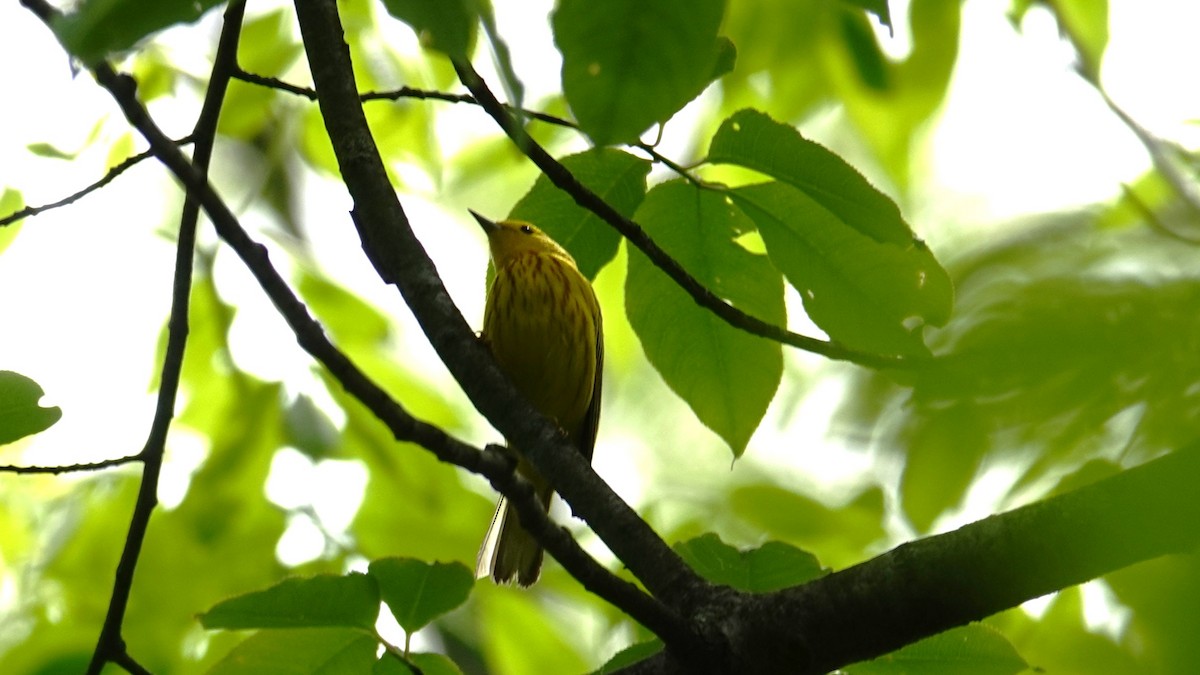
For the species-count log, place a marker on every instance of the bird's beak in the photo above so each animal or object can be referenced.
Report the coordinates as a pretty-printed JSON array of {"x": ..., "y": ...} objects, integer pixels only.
[{"x": 487, "y": 225}]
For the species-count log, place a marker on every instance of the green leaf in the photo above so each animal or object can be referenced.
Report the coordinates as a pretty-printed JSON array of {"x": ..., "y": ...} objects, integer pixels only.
[
  {"x": 630, "y": 655},
  {"x": 350, "y": 601},
  {"x": 726, "y": 375},
  {"x": 513, "y": 89},
  {"x": 770, "y": 567},
  {"x": 447, "y": 26},
  {"x": 877, "y": 7},
  {"x": 628, "y": 64},
  {"x": 11, "y": 201},
  {"x": 49, "y": 151},
  {"x": 753, "y": 140},
  {"x": 418, "y": 592},
  {"x": 309, "y": 429},
  {"x": 869, "y": 294},
  {"x": 616, "y": 177},
  {"x": 865, "y": 52},
  {"x": 975, "y": 649},
  {"x": 267, "y": 46},
  {"x": 428, "y": 664},
  {"x": 838, "y": 535},
  {"x": 522, "y": 637},
  {"x": 20, "y": 414},
  {"x": 941, "y": 462},
  {"x": 97, "y": 28},
  {"x": 1084, "y": 21},
  {"x": 311, "y": 651},
  {"x": 1058, "y": 641}
]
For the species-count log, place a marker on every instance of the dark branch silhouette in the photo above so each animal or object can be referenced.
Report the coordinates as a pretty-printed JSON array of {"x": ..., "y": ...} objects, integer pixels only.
[
  {"x": 72, "y": 468},
  {"x": 400, "y": 259},
  {"x": 110, "y": 646}
]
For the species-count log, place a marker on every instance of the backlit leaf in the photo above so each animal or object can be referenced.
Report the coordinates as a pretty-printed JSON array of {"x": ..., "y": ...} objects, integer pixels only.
[
  {"x": 325, "y": 600},
  {"x": 418, "y": 592},
  {"x": 628, "y": 64},
  {"x": 616, "y": 177},
  {"x": 727, "y": 376}
]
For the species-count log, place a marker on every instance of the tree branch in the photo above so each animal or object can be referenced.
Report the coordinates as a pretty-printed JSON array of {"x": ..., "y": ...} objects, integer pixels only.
[
  {"x": 110, "y": 646},
  {"x": 565, "y": 181},
  {"x": 432, "y": 95},
  {"x": 72, "y": 468},
  {"x": 311, "y": 337},
  {"x": 927, "y": 586},
  {"x": 107, "y": 178},
  {"x": 400, "y": 259}
]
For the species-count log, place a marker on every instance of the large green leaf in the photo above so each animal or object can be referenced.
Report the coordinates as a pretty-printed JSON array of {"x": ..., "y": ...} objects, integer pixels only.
[
  {"x": 20, "y": 413},
  {"x": 628, "y": 64},
  {"x": 418, "y": 592},
  {"x": 753, "y": 140},
  {"x": 445, "y": 25},
  {"x": 350, "y": 601},
  {"x": 98, "y": 27},
  {"x": 975, "y": 649},
  {"x": 311, "y": 651},
  {"x": 869, "y": 294},
  {"x": 726, "y": 375},
  {"x": 837, "y": 535},
  {"x": 770, "y": 567},
  {"x": 616, "y": 177}
]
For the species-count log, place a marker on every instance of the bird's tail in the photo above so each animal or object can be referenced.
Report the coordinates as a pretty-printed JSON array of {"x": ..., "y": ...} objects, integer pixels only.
[{"x": 508, "y": 551}]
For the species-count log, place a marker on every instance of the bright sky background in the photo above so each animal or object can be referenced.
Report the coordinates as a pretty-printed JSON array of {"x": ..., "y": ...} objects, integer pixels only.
[{"x": 84, "y": 290}]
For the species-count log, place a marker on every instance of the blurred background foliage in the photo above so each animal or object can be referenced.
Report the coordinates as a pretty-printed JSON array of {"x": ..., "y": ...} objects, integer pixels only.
[{"x": 1071, "y": 354}]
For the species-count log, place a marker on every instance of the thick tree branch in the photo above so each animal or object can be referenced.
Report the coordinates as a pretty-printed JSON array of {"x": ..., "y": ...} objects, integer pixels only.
[
  {"x": 934, "y": 584},
  {"x": 401, "y": 260}
]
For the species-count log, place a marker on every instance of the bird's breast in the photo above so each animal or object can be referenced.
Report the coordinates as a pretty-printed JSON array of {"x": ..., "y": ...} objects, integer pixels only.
[{"x": 541, "y": 323}]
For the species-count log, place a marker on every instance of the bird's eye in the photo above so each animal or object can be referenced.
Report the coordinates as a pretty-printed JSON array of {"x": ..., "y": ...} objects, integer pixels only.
[{"x": 527, "y": 229}]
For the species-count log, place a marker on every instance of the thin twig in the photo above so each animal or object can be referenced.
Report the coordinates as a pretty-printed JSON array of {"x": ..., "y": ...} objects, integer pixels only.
[
  {"x": 433, "y": 95},
  {"x": 1159, "y": 154},
  {"x": 1152, "y": 218},
  {"x": 108, "y": 177},
  {"x": 72, "y": 468},
  {"x": 1157, "y": 149}
]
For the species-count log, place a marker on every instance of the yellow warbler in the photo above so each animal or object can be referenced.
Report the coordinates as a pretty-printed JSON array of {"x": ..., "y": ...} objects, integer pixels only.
[{"x": 542, "y": 323}]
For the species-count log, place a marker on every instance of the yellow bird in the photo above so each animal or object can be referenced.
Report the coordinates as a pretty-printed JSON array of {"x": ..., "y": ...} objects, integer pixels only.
[{"x": 542, "y": 323}]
